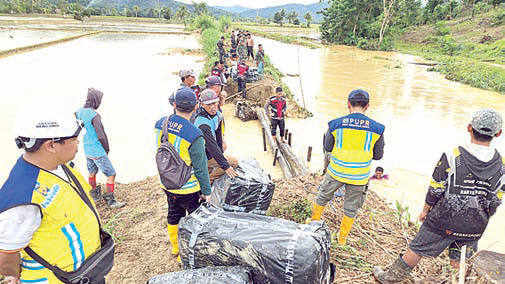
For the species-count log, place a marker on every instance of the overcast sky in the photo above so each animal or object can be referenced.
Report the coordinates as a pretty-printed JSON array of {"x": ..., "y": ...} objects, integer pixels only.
[{"x": 251, "y": 4}]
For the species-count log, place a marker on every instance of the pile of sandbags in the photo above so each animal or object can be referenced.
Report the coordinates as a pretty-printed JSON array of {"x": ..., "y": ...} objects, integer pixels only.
[
  {"x": 278, "y": 251},
  {"x": 251, "y": 191},
  {"x": 209, "y": 275}
]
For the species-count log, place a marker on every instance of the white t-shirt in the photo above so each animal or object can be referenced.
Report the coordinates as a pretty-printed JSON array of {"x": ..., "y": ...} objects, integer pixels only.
[{"x": 18, "y": 224}]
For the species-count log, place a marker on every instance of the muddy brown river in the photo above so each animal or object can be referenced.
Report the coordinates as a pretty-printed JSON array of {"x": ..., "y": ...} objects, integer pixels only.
[{"x": 424, "y": 113}]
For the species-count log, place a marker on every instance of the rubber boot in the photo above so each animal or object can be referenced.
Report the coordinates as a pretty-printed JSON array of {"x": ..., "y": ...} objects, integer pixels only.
[
  {"x": 317, "y": 212},
  {"x": 397, "y": 272},
  {"x": 345, "y": 228},
  {"x": 172, "y": 234},
  {"x": 96, "y": 194},
  {"x": 111, "y": 201}
]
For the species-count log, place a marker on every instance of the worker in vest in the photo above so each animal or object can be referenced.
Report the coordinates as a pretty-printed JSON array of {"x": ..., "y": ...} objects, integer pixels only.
[
  {"x": 465, "y": 190},
  {"x": 96, "y": 148},
  {"x": 188, "y": 141},
  {"x": 210, "y": 121},
  {"x": 40, "y": 206},
  {"x": 354, "y": 141}
]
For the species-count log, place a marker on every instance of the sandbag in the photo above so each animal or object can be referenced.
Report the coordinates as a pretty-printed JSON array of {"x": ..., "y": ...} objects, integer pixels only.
[
  {"x": 208, "y": 275},
  {"x": 278, "y": 251},
  {"x": 251, "y": 191}
]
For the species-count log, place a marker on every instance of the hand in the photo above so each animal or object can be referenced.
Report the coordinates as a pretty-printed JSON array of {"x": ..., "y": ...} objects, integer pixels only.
[
  {"x": 12, "y": 280},
  {"x": 206, "y": 198},
  {"x": 231, "y": 172},
  {"x": 224, "y": 146},
  {"x": 224, "y": 94},
  {"x": 423, "y": 215}
]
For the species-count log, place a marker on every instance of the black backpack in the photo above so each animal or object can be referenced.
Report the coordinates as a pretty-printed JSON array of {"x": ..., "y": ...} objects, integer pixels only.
[{"x": 174, "y": 172}]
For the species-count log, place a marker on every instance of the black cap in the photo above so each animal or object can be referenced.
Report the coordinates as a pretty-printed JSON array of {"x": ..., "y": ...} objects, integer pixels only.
[
  {"x": 278, "y": 89},
  {"x": 359, "y": 96}
]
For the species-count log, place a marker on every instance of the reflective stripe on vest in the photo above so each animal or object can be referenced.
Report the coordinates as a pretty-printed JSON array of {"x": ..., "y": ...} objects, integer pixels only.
[
  {"x": 181, "y": 133},
  {"x": 351, "y": 158},
  {"x": 69, "y": 230}
]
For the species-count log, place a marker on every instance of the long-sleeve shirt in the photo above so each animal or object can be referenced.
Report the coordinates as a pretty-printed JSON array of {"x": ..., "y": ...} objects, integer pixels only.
[{"x": 199, "y": 163}]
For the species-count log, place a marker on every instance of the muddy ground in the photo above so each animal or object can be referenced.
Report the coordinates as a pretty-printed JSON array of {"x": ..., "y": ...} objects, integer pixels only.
[{"x": 378, "y": 237}]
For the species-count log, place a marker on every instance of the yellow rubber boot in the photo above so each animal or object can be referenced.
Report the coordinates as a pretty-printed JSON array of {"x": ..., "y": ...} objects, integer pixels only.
[
  {"x": 317, "y": 212},
  {"x": 345, "y": 228},
  {"x": 172, "y": 233}
]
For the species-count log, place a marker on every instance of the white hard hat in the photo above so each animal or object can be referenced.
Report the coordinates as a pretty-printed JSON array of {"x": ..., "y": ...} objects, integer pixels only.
[{"x": 46, "y": 122}]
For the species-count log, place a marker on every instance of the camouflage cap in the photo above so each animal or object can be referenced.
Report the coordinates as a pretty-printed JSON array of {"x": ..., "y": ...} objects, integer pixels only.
[
  {"x": 183, "y": 73},
  {"x": 487, "y": 121}
]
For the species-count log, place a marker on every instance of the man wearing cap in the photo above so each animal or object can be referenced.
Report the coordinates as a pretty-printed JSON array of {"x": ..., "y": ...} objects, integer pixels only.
[
  {"x": 210, "y": 121},
  {"x": 214, "y": 83},
  {"x": 189, "y": 143},
  {"x": 465, "y": 190},
  {"x": 242, "y": 49},
  {"x": 276, "y": 107},
  {"x": 219, "y": 70},
  {"x": 41, "y": 206},
  {"x": 354, "y": 141},
  {"x": 96, "y": 148},
  {"x": 188, "y": 79}
]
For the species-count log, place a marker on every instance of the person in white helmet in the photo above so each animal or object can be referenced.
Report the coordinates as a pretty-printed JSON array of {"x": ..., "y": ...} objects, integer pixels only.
[{"x": 47, "y": 217}]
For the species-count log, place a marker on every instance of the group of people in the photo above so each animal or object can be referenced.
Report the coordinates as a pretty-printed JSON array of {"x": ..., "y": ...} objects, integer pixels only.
[
  {"x": 241, "y": 50},
  {"x": 49, "y": 223},
  {"x": 465, "y": 190}
]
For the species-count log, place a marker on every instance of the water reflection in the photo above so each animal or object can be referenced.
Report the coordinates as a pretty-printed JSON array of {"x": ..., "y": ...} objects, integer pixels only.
[{"x": 12, "y": 38}]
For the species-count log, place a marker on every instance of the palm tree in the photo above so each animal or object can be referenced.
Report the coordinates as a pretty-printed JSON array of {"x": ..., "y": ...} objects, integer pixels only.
[
  {"x": 308, "y": 18},
  {"x": 136, "y": 10},
  {"x": 182, "y": 13}
]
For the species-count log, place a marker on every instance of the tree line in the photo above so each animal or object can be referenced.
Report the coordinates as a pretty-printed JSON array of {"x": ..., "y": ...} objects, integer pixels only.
[
  {"x": 375, "y": 23},
  {"x": 292, "y": 18}
]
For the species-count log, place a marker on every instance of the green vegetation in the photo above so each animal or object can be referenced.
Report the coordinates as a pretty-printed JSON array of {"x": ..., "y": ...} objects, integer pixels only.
[
  {"x": 298, "y": 211},
  {"x": 208, "y": 41}
]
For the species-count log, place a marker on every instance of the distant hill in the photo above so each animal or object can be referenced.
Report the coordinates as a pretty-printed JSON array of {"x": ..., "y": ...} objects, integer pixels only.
[
  {"x": 232, "y": 9},
  {"x": 146, "y": 4},
  {"x": 299, "y": 8}
]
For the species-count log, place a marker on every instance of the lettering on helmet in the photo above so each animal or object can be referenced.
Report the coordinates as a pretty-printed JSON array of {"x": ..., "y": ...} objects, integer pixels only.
[{"x": 47, "y": 124}]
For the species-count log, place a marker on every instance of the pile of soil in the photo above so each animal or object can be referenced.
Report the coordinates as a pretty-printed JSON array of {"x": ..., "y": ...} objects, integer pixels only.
[{"x": 377, "y": 238}]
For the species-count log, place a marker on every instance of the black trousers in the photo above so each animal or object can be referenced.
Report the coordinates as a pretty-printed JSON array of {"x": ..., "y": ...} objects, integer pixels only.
[
  {"x": 221, "y": 54},
  {"x": 178, "y": 204},
  {"x": 250, "y": 51},
  {"x": 242, "y": 86},
  {"x": 275, "y": 123}
]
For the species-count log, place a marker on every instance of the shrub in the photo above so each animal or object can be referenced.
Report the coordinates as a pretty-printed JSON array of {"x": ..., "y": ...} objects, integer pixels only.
[
  {"x": 224, "y": 23},
  {"x": 441, "y": 29},
  {"x": 204, "y": 22}
]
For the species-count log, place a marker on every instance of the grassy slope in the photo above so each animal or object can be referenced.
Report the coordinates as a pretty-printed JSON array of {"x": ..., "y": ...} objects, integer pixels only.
[{"x": 468, "y": 63}]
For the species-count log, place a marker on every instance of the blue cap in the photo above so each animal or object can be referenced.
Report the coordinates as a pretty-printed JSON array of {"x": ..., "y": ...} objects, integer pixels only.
[
  {"x": 185, "y": 97},
  {"x": 359, "y": 95}
]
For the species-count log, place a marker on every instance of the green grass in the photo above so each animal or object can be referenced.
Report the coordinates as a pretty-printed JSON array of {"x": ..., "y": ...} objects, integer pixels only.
[
  {"x": 466, "y": 64},
  {"x": 298, "y": 211}
]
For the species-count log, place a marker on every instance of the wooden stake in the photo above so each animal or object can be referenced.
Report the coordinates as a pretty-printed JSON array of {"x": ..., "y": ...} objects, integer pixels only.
[
  {"x": 264, "y": 139},
  {"x": 275, "y": 155},
  {"x": 286, "y": 133},
  {"x": 289, "y": 139},
  {"x": 462, "y": 265},
  {"x": 309, "y": 154}
]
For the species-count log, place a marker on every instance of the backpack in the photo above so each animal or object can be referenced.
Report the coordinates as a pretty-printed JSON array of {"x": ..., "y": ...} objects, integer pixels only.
[{"x": 173, "y": 170}]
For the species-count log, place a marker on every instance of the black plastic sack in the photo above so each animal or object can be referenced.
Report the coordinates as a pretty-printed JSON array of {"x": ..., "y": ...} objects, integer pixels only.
[
  {"x": 279, "y": 251},
  {"x": 251, "y": 191},
  {"x": 208, "y": 275}
]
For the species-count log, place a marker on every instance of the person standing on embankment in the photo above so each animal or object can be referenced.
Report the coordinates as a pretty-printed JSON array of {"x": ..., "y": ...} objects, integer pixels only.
[
  {"x": 220, "y": 47},
  {"x": 211, "y": 122},
  {"x": 96, "y": 148},
  {"x": 354, "y": 141},
  {"x": 188, "y": 79},
  {"x": 243, "y": 69},
  {"x": 242, "y": 49},
  {"x": 260, "y": 60},
  {"x": 465, "y": 190},
  {"x": 276, "y": 108},
  {"x": 45, "y": 206},
  {"x": 188, "y": 140},
  {"x": 250, "y": 46}
]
